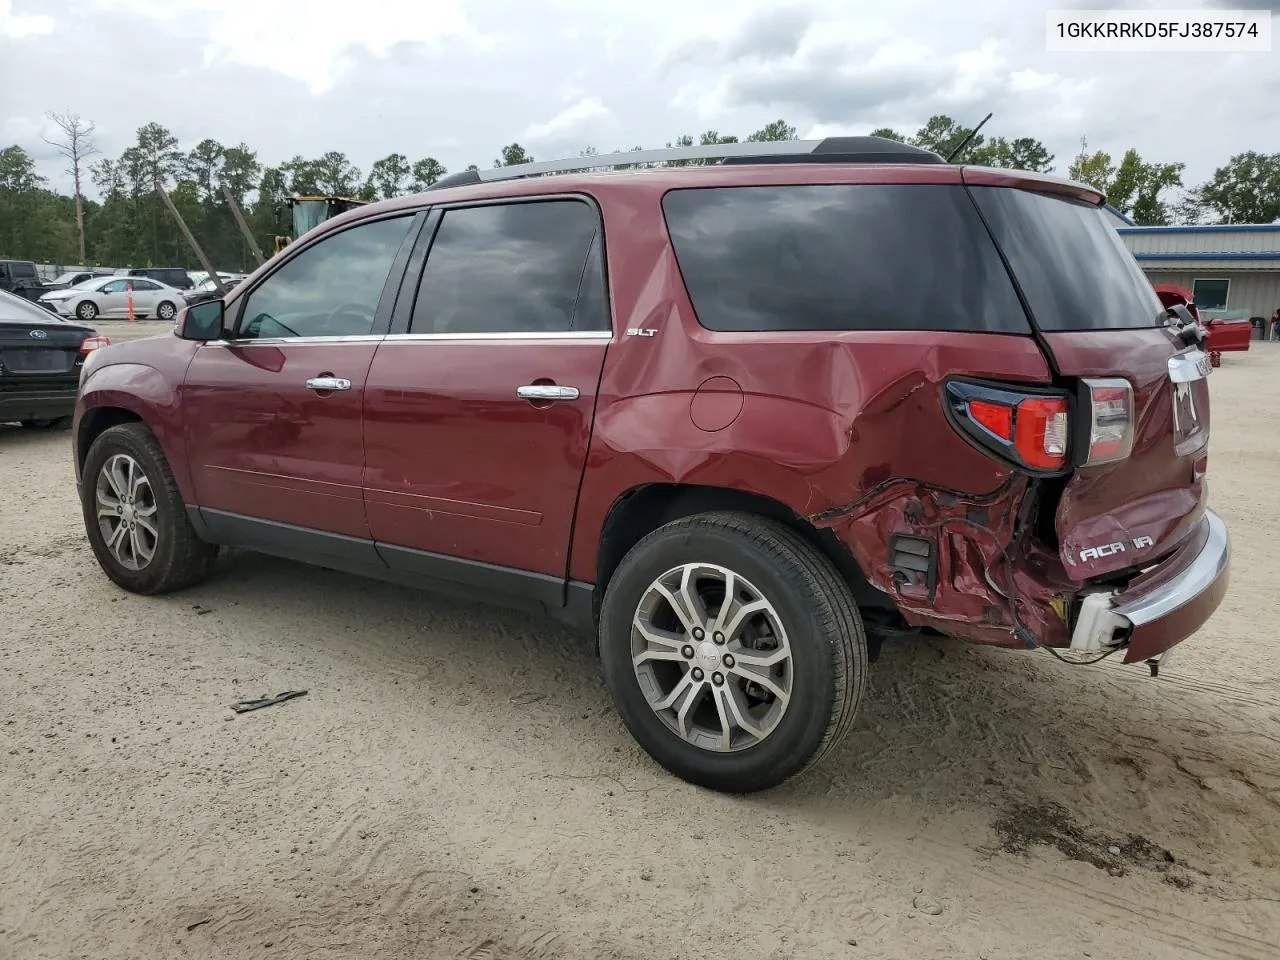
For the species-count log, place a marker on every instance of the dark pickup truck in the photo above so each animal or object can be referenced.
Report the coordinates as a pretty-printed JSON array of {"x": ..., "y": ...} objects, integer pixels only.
[{"x": 22, "y": 278}]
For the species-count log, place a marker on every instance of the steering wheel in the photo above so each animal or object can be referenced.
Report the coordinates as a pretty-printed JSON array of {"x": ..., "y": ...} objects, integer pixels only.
[{"x": 359, "y": 310}]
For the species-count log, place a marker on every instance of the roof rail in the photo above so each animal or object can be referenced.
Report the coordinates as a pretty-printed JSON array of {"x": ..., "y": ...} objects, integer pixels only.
[{"x": 828, "y": 150}]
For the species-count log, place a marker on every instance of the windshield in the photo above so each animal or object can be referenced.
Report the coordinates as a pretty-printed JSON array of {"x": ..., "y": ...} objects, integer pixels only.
[
  {"x": 68, "y": 278},
  {"x": 1072, "y": 266}
]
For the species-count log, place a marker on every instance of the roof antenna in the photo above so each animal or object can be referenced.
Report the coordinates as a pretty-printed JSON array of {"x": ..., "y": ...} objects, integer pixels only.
[{"x": 965, "y": 142}]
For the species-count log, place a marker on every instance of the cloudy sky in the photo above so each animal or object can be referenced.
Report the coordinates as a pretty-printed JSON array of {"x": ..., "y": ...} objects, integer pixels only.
[{"x": 457, "y": 79}]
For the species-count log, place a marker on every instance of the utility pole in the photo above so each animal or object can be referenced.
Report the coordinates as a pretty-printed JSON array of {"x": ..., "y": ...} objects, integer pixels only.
[
  {"x": 191, "y": 239},
  {"x": 243, "y": 224}
]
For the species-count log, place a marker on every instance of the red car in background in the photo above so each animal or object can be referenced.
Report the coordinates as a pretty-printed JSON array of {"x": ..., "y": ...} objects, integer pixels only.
[{"x": 1225, "y": 334}]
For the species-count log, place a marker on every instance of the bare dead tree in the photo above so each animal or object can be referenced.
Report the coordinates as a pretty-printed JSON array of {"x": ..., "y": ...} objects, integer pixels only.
[{"x": 76, "y": 144}]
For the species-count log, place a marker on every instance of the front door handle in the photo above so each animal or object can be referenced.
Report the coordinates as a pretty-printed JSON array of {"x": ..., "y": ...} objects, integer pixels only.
[
  {"x": 325, "y": 384},
  {"x": 546, "y": 391}
]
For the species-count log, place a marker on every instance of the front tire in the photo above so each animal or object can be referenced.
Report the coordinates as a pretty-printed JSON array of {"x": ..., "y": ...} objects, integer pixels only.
[
  {"x": 166, "y": 310},
  {"x": 134, "y": 515},
  {"x": 737, "y": 696},
  {"x": 87, "y": 310}
]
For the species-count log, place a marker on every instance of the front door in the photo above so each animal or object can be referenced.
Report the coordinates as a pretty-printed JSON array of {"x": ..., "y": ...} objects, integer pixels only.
[
  {"x": 478, "y": 418},
  {"x": 273, "y": 413},
  {"x": 114, "y": 298}
]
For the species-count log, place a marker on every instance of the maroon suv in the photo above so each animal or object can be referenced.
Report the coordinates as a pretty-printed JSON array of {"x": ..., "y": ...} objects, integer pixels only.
[{"x": 740, "y": 419}]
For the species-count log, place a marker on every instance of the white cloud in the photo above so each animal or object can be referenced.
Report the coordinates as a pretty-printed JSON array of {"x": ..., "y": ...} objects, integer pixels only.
[
  {"x": 585, "y": 117},
  {"x": 17, "y": 26},
  {"x": 311, "y": 41}
]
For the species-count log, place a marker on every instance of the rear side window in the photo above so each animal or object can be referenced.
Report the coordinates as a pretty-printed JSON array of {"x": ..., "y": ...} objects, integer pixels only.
[
  {"x": 840, "y": 257},
  {"x": 1072, "y": 266},
  {"x": 514, "y": 268},
  {"x": 23, "y": 271}
]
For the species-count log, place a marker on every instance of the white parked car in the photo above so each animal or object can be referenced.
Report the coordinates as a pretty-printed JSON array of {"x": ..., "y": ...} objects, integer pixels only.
[{"x": 109, "y": 297}]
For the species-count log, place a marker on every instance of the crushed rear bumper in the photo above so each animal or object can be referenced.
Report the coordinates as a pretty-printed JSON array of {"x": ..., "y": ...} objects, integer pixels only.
[{"x": 1165, "y": 604}]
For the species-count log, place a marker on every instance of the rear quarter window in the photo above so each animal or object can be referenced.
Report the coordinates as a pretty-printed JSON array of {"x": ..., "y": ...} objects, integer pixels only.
[
  {"x": 1070, "y": 263},
  {"x": 840, "y": 257}
]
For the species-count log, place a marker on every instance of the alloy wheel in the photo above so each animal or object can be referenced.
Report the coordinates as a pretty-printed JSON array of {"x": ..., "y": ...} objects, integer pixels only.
[
  {"x": 127, "y": 512},
  {"x": 712, "y": 657}
]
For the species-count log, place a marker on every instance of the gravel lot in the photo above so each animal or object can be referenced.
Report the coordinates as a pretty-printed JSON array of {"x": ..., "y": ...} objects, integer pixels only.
[{"x": 456, "y": 783}]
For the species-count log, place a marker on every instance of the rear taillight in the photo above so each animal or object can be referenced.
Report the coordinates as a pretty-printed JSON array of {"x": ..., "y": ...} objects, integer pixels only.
[
  {"x": 91, "y": 344},
  {"x": 1040, "y": 434},
  {"x": 1108, "y": 406},
  {"x": 1031, "y": 430}
]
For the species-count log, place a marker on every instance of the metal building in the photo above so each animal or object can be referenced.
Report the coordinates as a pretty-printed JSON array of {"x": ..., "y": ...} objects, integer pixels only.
[{"x": 1232, "y": 269}]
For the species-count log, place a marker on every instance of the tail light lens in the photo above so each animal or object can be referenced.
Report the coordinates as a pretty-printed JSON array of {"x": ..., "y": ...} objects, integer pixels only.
[
  {"x": 1041, "y": 434},
  {"x": 91, "y": 344},
  {"x": 1030, "y": 430},
  {"x": 1109, "y": 405}
]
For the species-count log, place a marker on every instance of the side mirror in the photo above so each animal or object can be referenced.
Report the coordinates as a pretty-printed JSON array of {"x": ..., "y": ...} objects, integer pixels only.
[{"x": 203, "y": 321}]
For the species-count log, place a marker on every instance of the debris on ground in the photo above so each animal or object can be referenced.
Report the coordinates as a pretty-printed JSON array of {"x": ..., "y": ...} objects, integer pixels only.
[{"x": 244, "y": 706}]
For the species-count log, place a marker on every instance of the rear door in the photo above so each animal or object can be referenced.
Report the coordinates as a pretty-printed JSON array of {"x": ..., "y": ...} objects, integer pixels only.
[
  {"x": 273, "y": 415},
  {"x": 479, "y": 406},
  {"x": 146, "y": 295},
  {"x": 1100, "y": 319}
]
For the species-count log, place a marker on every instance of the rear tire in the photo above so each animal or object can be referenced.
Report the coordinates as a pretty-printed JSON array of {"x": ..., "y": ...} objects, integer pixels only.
[
  {"x": 134, "y": 515},
  {"x": 802, "y": 634}
]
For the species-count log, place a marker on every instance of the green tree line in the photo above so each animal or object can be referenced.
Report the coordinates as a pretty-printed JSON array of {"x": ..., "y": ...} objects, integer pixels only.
[{"x": 127, "y": 223}]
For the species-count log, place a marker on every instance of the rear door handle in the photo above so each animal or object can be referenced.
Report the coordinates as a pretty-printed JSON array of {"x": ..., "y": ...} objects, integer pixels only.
[
  {"x": 328, "y": 383},
  {"x": 546, "y": 391}
]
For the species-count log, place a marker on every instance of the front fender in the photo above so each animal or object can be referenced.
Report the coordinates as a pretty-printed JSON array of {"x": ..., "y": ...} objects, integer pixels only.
[{"x": 144, "y": 392}]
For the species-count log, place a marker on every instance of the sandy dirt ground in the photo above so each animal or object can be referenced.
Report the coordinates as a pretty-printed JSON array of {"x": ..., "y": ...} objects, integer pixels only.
[{"x": 456, "y": 784}]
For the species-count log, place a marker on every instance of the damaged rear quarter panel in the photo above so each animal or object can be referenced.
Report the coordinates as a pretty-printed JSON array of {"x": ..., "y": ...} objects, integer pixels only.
[
  {"x": 846, "y": 429},
  {"x": 858, "y": 443}
]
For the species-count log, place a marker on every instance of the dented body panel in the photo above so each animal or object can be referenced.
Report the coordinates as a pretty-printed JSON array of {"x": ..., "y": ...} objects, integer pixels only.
[{"x": 1123, "y": 515}]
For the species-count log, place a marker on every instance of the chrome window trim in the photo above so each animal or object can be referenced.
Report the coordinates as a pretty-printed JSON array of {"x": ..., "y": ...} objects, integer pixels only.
[{"x": 573, "y": 336}]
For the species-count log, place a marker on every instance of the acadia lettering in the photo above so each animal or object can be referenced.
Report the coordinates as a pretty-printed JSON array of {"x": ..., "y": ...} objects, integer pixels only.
[
  {"x": 1111, "y": 549},
  {"x": 1105, "y": 550}
]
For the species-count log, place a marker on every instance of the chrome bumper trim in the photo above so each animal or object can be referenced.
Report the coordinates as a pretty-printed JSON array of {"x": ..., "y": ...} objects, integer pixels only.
[{"x": 1101, "y": 618}]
